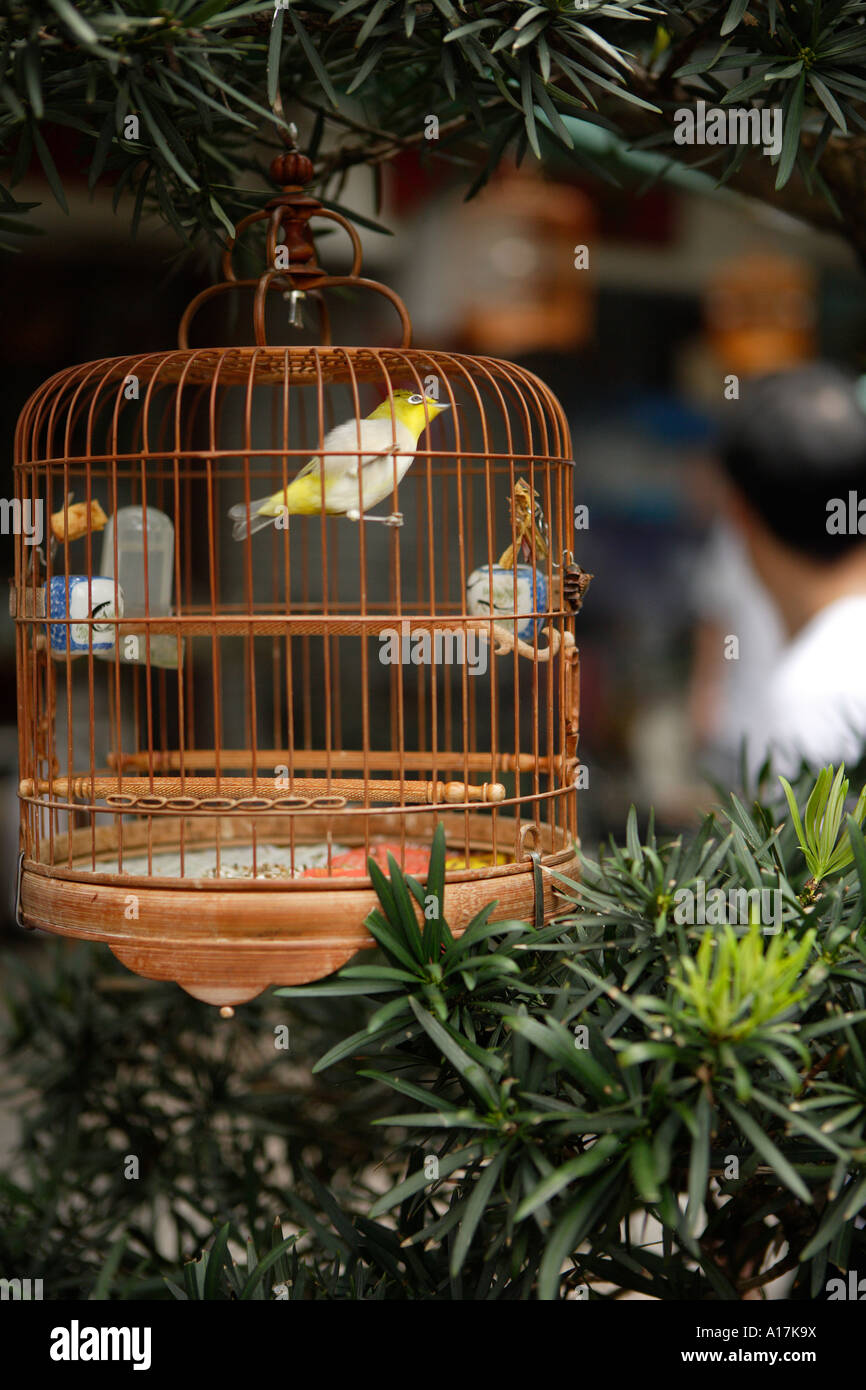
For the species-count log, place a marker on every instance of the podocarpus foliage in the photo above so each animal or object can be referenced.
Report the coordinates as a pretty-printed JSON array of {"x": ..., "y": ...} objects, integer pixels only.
[
  {"x": 508, "y": 1109},
  {"x": 589, "y": 81},
  {"x": 573, "y": 1079}
]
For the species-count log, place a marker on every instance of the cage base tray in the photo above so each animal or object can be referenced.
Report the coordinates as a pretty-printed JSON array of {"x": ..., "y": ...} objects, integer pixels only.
[{"x": 226, "y": 940}]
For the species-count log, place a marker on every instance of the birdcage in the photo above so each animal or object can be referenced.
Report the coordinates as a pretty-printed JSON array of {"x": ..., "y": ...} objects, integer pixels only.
[{"x": 215, "y": 733}]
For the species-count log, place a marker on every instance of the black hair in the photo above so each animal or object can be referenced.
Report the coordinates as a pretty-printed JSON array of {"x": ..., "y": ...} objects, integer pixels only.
[{"x": 793, "y": 444}]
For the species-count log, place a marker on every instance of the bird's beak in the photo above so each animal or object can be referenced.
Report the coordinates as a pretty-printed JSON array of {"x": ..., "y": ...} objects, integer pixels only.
[{"x": 440, "y": 406}]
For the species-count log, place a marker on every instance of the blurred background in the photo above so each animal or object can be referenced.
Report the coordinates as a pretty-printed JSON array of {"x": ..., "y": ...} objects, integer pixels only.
[{"x": 635, "y": 305}]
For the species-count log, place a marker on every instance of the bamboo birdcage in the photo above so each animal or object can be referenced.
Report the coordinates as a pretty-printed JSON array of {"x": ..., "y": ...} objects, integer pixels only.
[{"x": 274, "y": 726}]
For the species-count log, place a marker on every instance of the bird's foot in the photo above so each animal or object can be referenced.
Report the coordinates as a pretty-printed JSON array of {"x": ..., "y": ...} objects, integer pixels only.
[{"x": 395, "y": 519}]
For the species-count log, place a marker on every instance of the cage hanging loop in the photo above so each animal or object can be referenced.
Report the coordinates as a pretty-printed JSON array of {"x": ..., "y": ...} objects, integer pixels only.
[
  {"x": 291, "y": 263},
  {"x": 291, "y": 213},
  {"x": 302, "y": 272},
  {"x": 268, "y": 280}
]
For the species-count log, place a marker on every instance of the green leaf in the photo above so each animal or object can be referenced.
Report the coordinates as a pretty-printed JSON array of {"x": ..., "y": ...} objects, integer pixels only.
[
  {"x": 100, "y": 153},
  {"x": 529, "y": 106},
  {"x": 406, "y": 912},
  {"x": 858, "y": 849},
  {"x": 356, "y": 217},
  {"x": 50, "y": 168},
  {"x": 369, "y": 63},
  {"x": 528, "y": 35},
  {"x": 599, "y": 1152},
  {"x": 209, "y": 76},
  {"x": 436, "y": 890},
  {"x": 553, "y": 1039},
  {"x": 33, "y": 82},
  {"x": 221, "y": 215},
  {"x": 734, "y": 15},
  {"x": 795, "y": 1120},
  {"x": 362, "y": 1042},
  {"x": 816, "y": 806},
  {"x": 12, "y": 102},
  {"x": 763, "y": 1144},
  {"x": 204, "y": 12},
  {"x": 794, "y": 809},
  {"x": 789, "y": 70},
  {"x": 408, "y": 1088},
  {"x": 74, "y": 21},
  {"x": 393, "y": 1009},
  {"x": 553, "y": 117},
  {"x": 572, "y": 1228},
  {"x": 846, "y": 1206},
  {"x": 643, "y": 1170},
  {"x": 216, "y": 1255},
  {"x": 475, "y": 1077},
  {"x": 377, "y": 974},
  {"x": 632, "y": 838},
  {"x": 313, "y": 59},
  {"x": 274, "y": 54},
  {"x": 106, "y": 1275},
  {"x": 392, "y": 944},
  {"x": 699, "y": 1162},
  {"x": 475, "y": 1209},
  {"x": 371, "y": 21},
  {"x": 450, "y": 1163},
  {"x": 466, "y": 29},
  {"x": 266, "y": 1263},
  {"x": 201, "y": 96},
  {"x": 162, "y": 144},
  {"x": 323, "y": 988},
  {"x": 744, "y": 90}
]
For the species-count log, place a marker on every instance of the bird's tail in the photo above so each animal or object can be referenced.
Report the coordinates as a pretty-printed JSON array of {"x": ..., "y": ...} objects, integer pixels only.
[{"x": 248, "y": 521}]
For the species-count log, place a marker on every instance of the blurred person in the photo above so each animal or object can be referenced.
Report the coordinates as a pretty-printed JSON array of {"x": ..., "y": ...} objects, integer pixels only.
[
  {"x": 729, "y": 600},
  {"x": 795, "y": 455},
  {"x": 760, "y": 315}
]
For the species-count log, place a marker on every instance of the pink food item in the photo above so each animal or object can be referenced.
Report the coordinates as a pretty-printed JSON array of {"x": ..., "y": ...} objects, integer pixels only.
[{"x": 353, "y": 863}]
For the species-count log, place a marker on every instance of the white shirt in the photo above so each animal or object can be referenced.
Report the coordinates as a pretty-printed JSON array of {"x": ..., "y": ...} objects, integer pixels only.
[
  {"x": 814, "y": 705},
  {"x": 727, "y": 592}
]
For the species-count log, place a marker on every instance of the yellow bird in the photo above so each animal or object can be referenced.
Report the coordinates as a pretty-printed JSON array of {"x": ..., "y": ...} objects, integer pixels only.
[{"x": 369, "y": 447}]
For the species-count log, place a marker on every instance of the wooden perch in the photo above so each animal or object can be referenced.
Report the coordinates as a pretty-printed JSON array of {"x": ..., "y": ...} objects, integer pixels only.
[{"x": 192, "y": 791}]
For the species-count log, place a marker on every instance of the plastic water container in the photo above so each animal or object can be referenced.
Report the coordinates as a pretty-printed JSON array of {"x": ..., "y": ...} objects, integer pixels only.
[{"x": 154, "y": 600}]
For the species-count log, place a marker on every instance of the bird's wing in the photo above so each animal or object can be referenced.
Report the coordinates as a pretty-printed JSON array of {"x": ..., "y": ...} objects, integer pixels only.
[
  {"x": 342, "y": 455},
  {"x": 311, "y": 467},
  {"x": 341, "y": 438},
  {"x": 369, "y": 459}
]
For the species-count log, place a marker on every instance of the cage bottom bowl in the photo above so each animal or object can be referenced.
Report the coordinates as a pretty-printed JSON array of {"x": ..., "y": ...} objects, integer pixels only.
[{"x": 226, "y": 939}]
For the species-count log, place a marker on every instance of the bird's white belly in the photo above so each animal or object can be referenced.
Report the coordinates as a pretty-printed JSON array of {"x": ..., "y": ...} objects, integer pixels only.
[{"x": 376, "y": 482}]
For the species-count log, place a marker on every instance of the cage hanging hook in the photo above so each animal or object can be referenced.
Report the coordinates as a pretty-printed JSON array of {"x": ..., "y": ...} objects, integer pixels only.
[{"x": 295, "y": 299}]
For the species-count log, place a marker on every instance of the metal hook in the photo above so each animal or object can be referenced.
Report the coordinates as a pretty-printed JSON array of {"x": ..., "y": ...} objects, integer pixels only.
[{"x": 296, "y": 312}]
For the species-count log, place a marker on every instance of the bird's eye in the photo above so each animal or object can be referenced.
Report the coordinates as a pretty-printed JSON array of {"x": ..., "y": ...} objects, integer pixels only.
[{"x": 416, "y": 400}]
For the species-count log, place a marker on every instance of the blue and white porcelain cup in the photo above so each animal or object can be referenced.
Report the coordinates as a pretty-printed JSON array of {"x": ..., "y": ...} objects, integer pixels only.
[
  {"x": 490, "y": 591},
  {"x": 88, "y": 601}
]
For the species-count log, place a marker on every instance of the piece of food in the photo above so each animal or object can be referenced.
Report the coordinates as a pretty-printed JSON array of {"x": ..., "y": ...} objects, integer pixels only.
[
  {"x": 353, "y": 863},
  {"x": 76, "y": 520}
]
